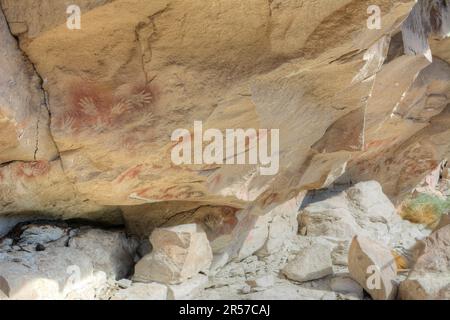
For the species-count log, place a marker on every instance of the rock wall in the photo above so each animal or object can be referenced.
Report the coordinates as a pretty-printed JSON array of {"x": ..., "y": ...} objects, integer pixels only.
[{"x": 86, "y": 115}]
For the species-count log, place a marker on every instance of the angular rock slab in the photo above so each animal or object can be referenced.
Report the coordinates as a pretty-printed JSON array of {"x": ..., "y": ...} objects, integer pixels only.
[
  {"x": 430, "y": 276},
  {"x": 178, "y": 254},
  {"x": 373, "y": 266},
  {"x": 310, "y": 264},
  {"x": 24, "y": 119}
]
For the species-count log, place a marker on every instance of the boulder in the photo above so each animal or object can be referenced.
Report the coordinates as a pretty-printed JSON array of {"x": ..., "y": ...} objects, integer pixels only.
[
  {"x": 429, "y": 279},
  {"x": 41, "y": 234},
  {"x": 362, "y": 209},
  {"x": 373, "y": 266},
  {"x": 272, "y": 230},
  {"x": 49, "y": 274},
  {"x": 257, "y": 237},
  {"x": 282, "y": 226},
  {"x": 97, "y": 287},
  {"x": 54, "y": 260},
  {"x": 110, "y": 251},
  {"x": 18, "y": 283},
  {"x": 178, "y": 254},
  {"x": 312, "y": 263}
]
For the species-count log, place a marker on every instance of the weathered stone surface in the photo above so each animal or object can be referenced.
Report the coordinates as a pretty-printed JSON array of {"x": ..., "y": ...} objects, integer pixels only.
[
  {"x": 219, "y": 222},
  {"x": 188, "y": 289},
  {"x": 407, "y": 127},
  {"x": 124, "y": 283},
  {"x": 428, "y": 18},
  {"x": 430, "y": 276},
  {"x": 263, "y": 282},
  {"x": 86, "y": 116},
  {"x": 445, "y": 220},
  {"x": 54, "y": 260},
  {"x": 88, "y": 96},
  {"x": 142, "y": 291},
  {"x": 16, "y": 282},
  {"x": 50, "y": 274},
  {"x": 36, "y": 182},
  {"x": 111, "y": 251},
  {"x": 347, "y": 286},
  {"x": 41, "y": 234},
  {"x": 24, "y": 118},
  {"x": 362, "y": 209},
  {"x": 373, "y": 266},
  {"x": 178, "y": 254},
  {"x": 288, "y": 291},
  {"x": 282, "y": 226},
  {"x": 312, "y": 263},
  {"x": 257, "y": 237},
  {"x": 40, "y": 189}
]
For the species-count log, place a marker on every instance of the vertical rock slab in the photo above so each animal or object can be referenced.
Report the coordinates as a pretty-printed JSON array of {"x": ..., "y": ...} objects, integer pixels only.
[
  {"x": 428, "y": 17},
  {"x": 24, "y": 120},
  {"x": 179, "y": 253},
  {"x": 430, "y": 277},
  {"x": 373, "y": 267}
]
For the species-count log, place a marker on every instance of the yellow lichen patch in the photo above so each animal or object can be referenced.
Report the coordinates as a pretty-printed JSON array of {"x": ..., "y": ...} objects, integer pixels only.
[
  {"x": 424, "y": 209},
  {"x": 401, "y": 261}
]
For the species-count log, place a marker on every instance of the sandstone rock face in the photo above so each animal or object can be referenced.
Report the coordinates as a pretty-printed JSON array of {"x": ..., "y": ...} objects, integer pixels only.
[
  {"x": 40, "y": 189},
  {"x": 113, "y": 110},
  {"x": 24, "y": 118},
  {"x": 34, "y": 181},
  {"x": 178, "y": 254},
  {"x": 430, "y": 277},
  {"x": 373, "y": 266}
]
